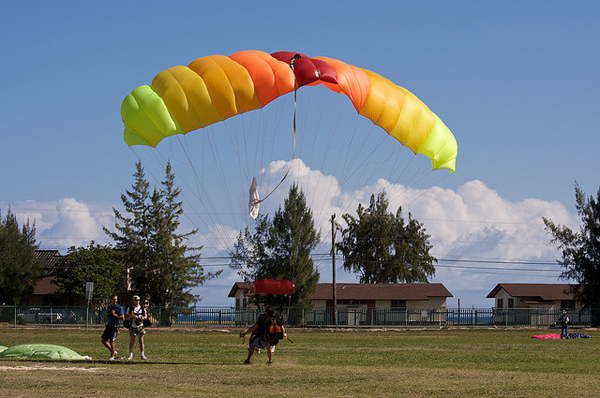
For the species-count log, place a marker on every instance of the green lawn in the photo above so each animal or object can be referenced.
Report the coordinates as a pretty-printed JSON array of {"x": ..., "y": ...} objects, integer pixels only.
[{"x": 357, "y": 363}]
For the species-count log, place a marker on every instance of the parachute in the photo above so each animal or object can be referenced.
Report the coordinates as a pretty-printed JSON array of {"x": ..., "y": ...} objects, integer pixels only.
[
  {"x": 236, "y": 126},
  {"x": 273, "y": 286},
  {"x": 34, "y": 351},
  {"x": 214, "y": 88}
]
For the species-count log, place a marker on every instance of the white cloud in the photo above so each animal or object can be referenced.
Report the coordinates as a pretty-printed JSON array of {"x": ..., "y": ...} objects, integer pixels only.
[
  {"x": 472, "y": 223},
  {"x": 65, "y": 223},
  {"x": 77, "y": 224}
]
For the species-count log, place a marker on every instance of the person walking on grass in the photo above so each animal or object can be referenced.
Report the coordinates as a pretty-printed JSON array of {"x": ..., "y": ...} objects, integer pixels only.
[
  {"x": 136, "y": 314},
  {"x": 115, "y": 316},
  {"x": 265, "y": 333}
]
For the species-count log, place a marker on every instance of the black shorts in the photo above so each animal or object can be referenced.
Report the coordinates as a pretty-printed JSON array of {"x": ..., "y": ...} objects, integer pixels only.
[{"x": 110, "y": 332}]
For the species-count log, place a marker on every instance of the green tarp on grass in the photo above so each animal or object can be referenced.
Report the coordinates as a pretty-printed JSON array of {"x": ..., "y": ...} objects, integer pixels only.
[{"x": 50, "y": 351}]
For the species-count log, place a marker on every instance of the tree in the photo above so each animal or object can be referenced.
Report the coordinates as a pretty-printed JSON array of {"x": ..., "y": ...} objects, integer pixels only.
[
  {"x": 20, "y": 269},
  {"x": 162, "y": 267},
  {"x": 281, "y": 249},
  {"x": 581, "y": 250},
  {"x": 382, "y": 248},
  {"x": 98, "y": 264},
  {"x": 253, "y": 255}
]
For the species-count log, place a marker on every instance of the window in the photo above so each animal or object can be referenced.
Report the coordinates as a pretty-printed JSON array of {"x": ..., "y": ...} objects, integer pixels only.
[
  {"x": 511, "y": 303},
  {"x": 398, "y": 304},
  {"x": 567, "y": 304},
  {"x": 500, "y": 303}
]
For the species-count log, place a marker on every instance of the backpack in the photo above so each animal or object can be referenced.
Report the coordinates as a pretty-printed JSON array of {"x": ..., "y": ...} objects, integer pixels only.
[
  {"x": 273, "y": 330},
  {"x": 146, "y": 322}
]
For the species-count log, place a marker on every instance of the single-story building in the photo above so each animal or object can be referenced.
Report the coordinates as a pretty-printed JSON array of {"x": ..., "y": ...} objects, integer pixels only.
[
  {"x": 533, "y": 295},
  {"x": 357, "y": 295},
  {"x": 43, "y": 292},
  {"x": 361, "y": 304},
  {"x": 384, "y": 295}
]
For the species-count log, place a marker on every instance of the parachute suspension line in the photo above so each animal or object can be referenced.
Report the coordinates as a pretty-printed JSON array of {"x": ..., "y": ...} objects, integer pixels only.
[
  {"x": 154, "y": 155},
  {"x": 220, "y": 172},
  {"x": 423, "y": 191},
  {"x": 258, "y": 201},
  {"x": 199, "y": 192}
]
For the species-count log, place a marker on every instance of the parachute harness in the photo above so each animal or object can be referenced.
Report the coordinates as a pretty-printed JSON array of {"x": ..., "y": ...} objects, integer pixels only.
[{"x": 254, "y": 198}]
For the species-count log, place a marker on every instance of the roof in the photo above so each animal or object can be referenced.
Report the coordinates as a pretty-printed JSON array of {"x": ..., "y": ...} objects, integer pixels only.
[
  {"x": 50, "y": 257},
  {"x": 246, "y": 287},
  {"x": 382, "y": 291},
  {"x": 535, "y": 291},
  {"x": 364, "y": 291}
]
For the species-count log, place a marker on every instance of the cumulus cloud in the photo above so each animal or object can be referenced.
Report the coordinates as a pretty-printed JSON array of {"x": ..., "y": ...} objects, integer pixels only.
[
  {"x": 66, "y": 222},
  {"x": 483, "y": 238},
  {"x": 77, "y": 224},
  {"x": 480, "y": 238}
]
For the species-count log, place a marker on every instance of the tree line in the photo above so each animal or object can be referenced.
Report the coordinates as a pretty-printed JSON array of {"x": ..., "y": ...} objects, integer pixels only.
[{"x": 152, "y": 255}]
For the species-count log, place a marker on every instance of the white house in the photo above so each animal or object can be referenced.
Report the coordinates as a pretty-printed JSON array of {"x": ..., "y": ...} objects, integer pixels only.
[{"x": 533, "y": 295}]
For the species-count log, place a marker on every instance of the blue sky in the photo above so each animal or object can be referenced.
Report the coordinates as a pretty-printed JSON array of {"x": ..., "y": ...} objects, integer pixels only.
[{"x": 516, "y": 82}]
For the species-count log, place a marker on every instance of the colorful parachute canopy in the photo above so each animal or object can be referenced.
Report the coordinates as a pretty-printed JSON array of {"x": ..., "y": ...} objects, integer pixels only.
[
  {"x": 273, "y": 286},
  {"x": 25, "y": 351},
  {"x": 214, "y": 88}
]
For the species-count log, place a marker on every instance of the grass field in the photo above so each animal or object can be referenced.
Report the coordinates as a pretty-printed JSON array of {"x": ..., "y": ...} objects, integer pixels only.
[{"x": 357, "y": 363}]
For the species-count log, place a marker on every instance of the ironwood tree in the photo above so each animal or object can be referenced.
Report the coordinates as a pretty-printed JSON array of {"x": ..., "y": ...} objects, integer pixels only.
[
  {"x": 581, "y": 250},
  {"x": 20, "y": 269},
  {"x": 162, "y": 268},
  {"x": 281, "y": 249},
  {"x": 384, "y": 248}
]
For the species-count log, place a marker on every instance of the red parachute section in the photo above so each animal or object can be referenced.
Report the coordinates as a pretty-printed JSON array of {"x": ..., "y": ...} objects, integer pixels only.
[{"x": 273, "y": 286}]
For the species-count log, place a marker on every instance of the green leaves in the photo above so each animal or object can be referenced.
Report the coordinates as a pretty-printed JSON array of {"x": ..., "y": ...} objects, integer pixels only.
[
  {"x": 382, "y": 248},
  {"x": 581, "y": 250},
  {"x": 20, "y": 269},
  {"x": 162, "y": 267},
  {"x": 281, "y": 248},
  {"x": 98, "y": 264}
]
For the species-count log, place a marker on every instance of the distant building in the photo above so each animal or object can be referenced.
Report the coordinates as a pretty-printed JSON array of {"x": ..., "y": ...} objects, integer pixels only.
[
  {"x": 43, "y": 292},
  {"x": 533, "y": 295},
  {"x": 359, "y": 295}
]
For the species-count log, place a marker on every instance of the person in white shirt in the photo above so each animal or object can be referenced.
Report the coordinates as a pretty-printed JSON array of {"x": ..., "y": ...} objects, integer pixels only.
[{"x": 136, "y": 314}]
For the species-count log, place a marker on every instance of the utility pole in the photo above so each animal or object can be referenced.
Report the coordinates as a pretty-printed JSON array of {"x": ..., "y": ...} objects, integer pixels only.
[{"x": 333, "y": 229}]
